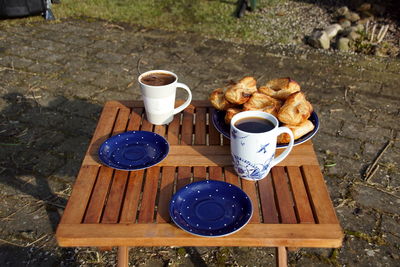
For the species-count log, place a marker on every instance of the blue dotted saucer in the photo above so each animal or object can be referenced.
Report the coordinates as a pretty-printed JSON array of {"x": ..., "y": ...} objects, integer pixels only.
[
  {"x": 133, "y": 150},
  {"x": 218, "y": 119},
  {"x": 210, "y": 208}
]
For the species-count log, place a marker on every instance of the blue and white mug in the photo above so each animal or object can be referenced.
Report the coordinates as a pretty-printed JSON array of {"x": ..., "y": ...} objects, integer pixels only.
[{"x": 253, "y": 154}]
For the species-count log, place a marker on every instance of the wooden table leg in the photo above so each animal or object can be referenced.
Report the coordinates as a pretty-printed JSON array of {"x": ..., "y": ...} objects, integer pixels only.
[
  {"x": 123, "y": 256},
  {"x": 282, "y": 257}
]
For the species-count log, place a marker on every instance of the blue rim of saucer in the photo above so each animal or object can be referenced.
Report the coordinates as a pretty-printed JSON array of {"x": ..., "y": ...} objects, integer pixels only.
[
  {"x": 210, "y": 208},
  {"x": 218, "y": 119},
  {"x": 133, "y": 150}
]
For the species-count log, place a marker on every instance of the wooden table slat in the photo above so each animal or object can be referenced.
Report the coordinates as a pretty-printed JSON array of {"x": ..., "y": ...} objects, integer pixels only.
[
  {"x": 146, "y": 125},
  {"x": 97, "y": 200},
  {"x": 250, "y": 188},
  {"x": 166, "y": 190},
  {"x": 202, "y": 155},
  {"x": 160, "y": 129},
  {"x": 267, "y": 199},
  {"x": 187, "y": 126},
  {"x": 77, "y": 203},
  {"x": 135, "y": 119},
  {"x": 199, "y": 173},
  {"x": 147, "y": 205},
  {"x": 272, "y": 235},
  {"x": 113, "y": 206},
  {"x": 214, "y": 135},
  {"x": 121, "y": 121},
  {"x": 302, "y": 203},
  {"x": 132, "y": 197},
  {"x": 231, "y": 176},
  {"x": 173, "y": 130},
  {"x": 103, "y": 130},
  {"x": 319, "y": 196},
  {"x": 184, "y": 177},
  {"x": 200, "y": 136},
  {"x": 216, "y": 173},
  {"x": 283, "y": 196}
]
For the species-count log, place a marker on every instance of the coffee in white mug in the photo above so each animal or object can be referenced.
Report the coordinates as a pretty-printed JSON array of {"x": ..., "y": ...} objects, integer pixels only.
[{"x": 158, "y": 88}]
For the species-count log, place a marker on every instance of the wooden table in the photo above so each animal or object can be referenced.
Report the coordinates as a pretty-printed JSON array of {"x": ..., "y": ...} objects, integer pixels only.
[{"x": 112, "y": 208}]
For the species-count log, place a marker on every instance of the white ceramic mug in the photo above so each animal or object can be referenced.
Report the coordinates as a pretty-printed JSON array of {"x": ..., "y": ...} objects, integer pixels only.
[
  {"x": 159, "y": 100},
  {"x": 253, "y": 154}
]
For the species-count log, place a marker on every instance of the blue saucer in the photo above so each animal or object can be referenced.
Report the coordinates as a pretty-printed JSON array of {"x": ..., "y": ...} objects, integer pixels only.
[
  {"x": 133, "y": 150},
  {"x": 210, "y": 208},
  {"x": 218, "y": 119}
]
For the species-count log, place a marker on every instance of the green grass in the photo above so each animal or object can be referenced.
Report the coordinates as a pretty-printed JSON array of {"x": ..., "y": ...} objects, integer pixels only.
[{"x": 213, "y": 18}]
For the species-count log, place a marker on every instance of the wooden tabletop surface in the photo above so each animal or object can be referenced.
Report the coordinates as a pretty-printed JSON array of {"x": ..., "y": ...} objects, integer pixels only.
[{"x": 108, "y": 207}]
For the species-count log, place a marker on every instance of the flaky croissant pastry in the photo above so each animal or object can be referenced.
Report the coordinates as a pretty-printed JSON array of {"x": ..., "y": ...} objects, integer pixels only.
[
  {"x": 241, "y": 92},
  {"x": 280, "y": 88},
  {"x": 262, "y": 102},
  {"x": 295, "y": 110},
  {"x": 230, "y": 112},
  {"x": 298, "y": 131},
  {"x": 218, "y": 100}
]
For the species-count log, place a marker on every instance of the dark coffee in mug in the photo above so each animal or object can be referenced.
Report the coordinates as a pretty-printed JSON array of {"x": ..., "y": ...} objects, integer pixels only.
[
  {"x": 158, "y": 79},
  {"x": 254, "y": 125}
]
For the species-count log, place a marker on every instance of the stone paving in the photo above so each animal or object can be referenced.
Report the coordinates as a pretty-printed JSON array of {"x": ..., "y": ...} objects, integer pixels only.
[{"x": 55, "y": 77}]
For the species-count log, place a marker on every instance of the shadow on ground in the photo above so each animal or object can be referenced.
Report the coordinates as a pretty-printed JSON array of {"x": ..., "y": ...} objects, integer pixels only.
[{"x": 42, "y": 146}]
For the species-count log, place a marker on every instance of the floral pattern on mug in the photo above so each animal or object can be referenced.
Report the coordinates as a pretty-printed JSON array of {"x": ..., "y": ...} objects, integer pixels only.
[{"x": 249, "y": 170}]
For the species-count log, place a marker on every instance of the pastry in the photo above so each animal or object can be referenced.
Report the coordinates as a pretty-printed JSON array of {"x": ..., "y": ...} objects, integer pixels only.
[
  {"x": 298, "y": 131},
  {"x": 218, "y": 100},
  {"x": 230, "y": 112},
  {"x": 295, "y": 110},
  {"x": 280, "y": 88},
  {"x": 241, "y": 92},
  {"x": 262, "y": 102}
]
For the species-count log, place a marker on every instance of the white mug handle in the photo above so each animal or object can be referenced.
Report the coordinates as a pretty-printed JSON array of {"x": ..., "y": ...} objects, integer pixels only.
[
  {"x": 188, "y": 100},
  {"x": 286, "y": 152}
]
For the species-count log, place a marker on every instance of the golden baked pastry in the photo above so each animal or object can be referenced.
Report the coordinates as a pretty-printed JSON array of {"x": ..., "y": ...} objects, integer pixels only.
[
  {"x": 298, "y": 131},
  {"x": 230, "y": 112},
  {"x": 295, "y": 110},
  {"x": 262, "y": 102},
  {"x": 217, "y": 99},
  {"x": 280, "y": 88},
  {"x": 241, "y": 92}
]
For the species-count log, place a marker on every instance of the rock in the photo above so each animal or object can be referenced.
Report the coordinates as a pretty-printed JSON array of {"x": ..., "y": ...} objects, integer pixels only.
[
  {"x": 365, "y": 20},
  {"x": 319, "y": 39},
  {"x": 343, "y": 44},
  {"x": 332, "y": 30},
  {"x": 353, "y": 35},
  {"x": 359, "y": 27},
  {"x": 378, "y": 10},
  {"x": 345, "y": 23},
  {"x": 352, "y": 16},
  {"x": 364, "y": 7},
  {"x": 342, "y": 11},
  {"x": 348, "y": 30},
  {"x": 366, "y": 14}
]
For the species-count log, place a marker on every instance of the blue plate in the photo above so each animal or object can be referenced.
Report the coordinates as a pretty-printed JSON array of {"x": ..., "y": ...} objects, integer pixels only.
[
  {"x": 133, "y": 150},
  {"x": 218, "y": 119},
  {"x": 210, "y": 208}
]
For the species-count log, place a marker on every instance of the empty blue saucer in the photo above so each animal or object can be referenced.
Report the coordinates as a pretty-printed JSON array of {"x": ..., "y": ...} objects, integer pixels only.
[
  {"x": 210, "y": 208},
  {"x": 218, "y": 119},
  {"x": 133, "y": 150}
]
